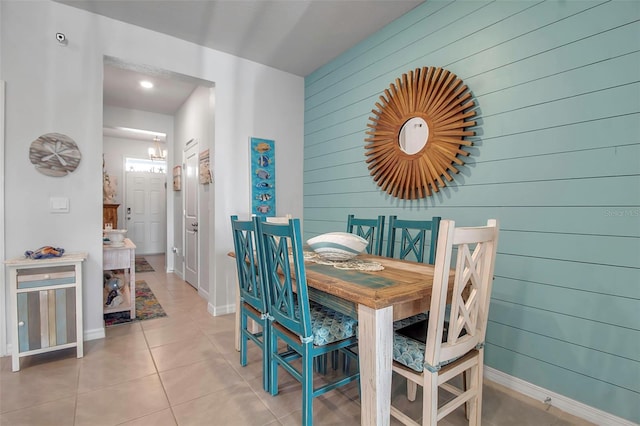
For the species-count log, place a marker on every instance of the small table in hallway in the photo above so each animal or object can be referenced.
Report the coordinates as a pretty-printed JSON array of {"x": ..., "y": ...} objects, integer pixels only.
[{"x": 122, "y": 258}]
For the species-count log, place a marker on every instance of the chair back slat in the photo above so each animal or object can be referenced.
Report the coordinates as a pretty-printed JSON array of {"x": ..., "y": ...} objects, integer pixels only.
[
  {"x": 371, "y": 230},
  {"x": 276, "y": 242},
  {"x": 247, "y": 263},
  {"x": 413, "y": 238},
  {"x": 473, "y": 278}
]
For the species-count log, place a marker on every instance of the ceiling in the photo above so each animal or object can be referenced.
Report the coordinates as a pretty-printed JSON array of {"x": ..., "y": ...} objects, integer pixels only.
[{"x": 296, "y": 36}]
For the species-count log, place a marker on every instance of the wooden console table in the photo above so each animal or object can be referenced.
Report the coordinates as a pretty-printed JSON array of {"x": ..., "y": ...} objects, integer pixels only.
[
  {"x": 123, "y": 257},
  {"x": 110, "y": 215},
  {"x": 45, "y": 303}
]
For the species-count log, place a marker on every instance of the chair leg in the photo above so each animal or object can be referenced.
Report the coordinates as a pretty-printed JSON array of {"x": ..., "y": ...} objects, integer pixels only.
[
  {"x": 466, "y": 382},
  {"x": 243, "y": 339},
  {"x": 430, "y": 399},
  {"x": 412, "y": 390},
  {"x": 266, "y": 356},
  {"x": 320, "y": 364},
  {"x": 335, "y": 359},
  {"x": 273, "y": 369},
  {"x": 307, "y": 388},
  {"x": 475, "y": 412}
]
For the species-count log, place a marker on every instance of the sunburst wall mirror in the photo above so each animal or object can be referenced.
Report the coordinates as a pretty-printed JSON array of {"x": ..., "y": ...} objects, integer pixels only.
[{"x": 418, "y": 131}]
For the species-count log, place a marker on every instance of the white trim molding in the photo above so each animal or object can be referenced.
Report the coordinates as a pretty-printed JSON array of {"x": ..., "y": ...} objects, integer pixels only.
[
  {"x": 561, "y": 402},
  {"x": 3, "y": 303},
  {"x": 96, "y": 333},
  {"x": 221, "y": 310}
]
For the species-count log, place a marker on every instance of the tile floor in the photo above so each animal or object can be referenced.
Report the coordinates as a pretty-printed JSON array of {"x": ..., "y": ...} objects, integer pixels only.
[{"x": 183, "y": 370}]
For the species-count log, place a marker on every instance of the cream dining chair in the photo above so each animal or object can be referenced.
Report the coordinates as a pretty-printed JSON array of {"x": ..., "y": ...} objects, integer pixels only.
[{"x": 451, "y": 340}]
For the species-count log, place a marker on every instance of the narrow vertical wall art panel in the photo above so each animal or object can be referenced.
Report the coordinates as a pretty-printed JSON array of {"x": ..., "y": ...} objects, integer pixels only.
[{"x": 263, "y": 177}]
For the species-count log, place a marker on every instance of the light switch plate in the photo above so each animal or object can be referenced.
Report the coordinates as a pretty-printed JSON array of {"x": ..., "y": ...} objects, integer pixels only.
[{"x": 59, "y": 205}]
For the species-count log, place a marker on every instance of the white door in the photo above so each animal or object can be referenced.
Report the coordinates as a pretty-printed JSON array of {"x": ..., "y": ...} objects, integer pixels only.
[
  {"x": 191, "y": 214},
  {"x": 145, "y": 211}
]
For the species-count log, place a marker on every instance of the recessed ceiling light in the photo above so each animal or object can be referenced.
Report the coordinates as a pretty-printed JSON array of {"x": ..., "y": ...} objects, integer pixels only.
[{"x": 146, "y": 84}]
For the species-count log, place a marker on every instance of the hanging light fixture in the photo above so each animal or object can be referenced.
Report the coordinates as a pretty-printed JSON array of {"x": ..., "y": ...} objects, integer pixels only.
[{"x": 156, "y": 153}]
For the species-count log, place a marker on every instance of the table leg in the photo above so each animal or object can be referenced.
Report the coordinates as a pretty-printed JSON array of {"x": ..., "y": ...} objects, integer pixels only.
[
  {"x": 375, "y": 349},
  {"x": 132, "y": 283}
]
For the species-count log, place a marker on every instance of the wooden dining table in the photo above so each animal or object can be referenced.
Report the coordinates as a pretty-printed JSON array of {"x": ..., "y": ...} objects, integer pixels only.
[{"x": 401, "y": 289}]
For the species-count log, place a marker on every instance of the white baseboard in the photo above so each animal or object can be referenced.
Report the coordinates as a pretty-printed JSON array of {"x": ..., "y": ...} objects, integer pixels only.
[
  {"x": 96, "y": 333},
  {"x": 221, "y": 310},
  {"x": 561, "y": 402}
]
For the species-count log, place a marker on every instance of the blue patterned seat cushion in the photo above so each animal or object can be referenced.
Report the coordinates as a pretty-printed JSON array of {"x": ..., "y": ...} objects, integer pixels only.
[
  {"x": 410, "y": 352},
  {"x": 329, "y": 326},
  {"x": 408, "y": 321},
  {"x": 407, "y": 351}
]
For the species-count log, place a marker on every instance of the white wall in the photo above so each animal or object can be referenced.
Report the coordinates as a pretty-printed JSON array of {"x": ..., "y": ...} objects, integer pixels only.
[{"x": 54, "y": 88}]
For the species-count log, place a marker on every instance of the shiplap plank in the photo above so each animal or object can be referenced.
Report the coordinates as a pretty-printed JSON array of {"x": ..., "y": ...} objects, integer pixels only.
[
  {"x": 582, "y": 332},
  {"x": 335, "y": 131},
  {"x": 605, "y": 132},
  {"x": 621, "y": 70},
  {"x": 600, "y": 133},
  {"x": 612, "y": 220},
  {"x": 581, "y": 53},
  {"x": 607, "y": 250},
  {"x": 596, "y": 393},
  {"x": 568, "y": 165},
  {"x": 614, "y": 191},
  {"x": 608, "y": 309},
  {"x": 590, "y": 277},
  {"x": 614, "y": 101},
  {"x": 616, "y": 370},
  {"x": 590, "y": 106}
]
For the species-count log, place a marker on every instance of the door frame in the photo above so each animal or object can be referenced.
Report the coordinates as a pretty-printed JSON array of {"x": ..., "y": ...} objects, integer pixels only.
[
  {"x": 3, "y": 301},
  {"x": 188, "y": 146}
]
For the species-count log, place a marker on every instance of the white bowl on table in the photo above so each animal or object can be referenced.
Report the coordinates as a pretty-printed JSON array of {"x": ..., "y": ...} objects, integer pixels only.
[
  {"x": 338, "y": 246},
  {"x": 115, "y": 236}
]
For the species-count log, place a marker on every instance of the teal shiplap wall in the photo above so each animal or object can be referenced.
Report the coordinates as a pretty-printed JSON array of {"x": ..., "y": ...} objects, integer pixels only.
[{"x": 556, "y": 159}]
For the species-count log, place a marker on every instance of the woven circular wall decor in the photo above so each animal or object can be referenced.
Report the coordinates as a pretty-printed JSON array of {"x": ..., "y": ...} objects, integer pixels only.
[
  {"x": 54, "y": 154},
  {"x": 431, "y": 106}
]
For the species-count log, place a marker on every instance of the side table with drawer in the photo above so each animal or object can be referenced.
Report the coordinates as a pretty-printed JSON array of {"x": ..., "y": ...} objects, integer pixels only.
[{"x": 46, "y": 304}]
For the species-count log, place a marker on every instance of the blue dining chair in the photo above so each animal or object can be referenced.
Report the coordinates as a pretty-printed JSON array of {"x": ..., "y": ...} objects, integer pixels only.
[
  {"x": 412, "y": 245},
  {"x": 413, "y": 238},
  {"x": 307, "y": 329},
  {"x": 252, "y": 295},
  {"x": 371, "y": 230}
]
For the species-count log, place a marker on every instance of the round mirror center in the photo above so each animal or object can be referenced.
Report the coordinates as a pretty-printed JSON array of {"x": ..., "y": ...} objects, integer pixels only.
[{"x": 413, "y": 135}]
